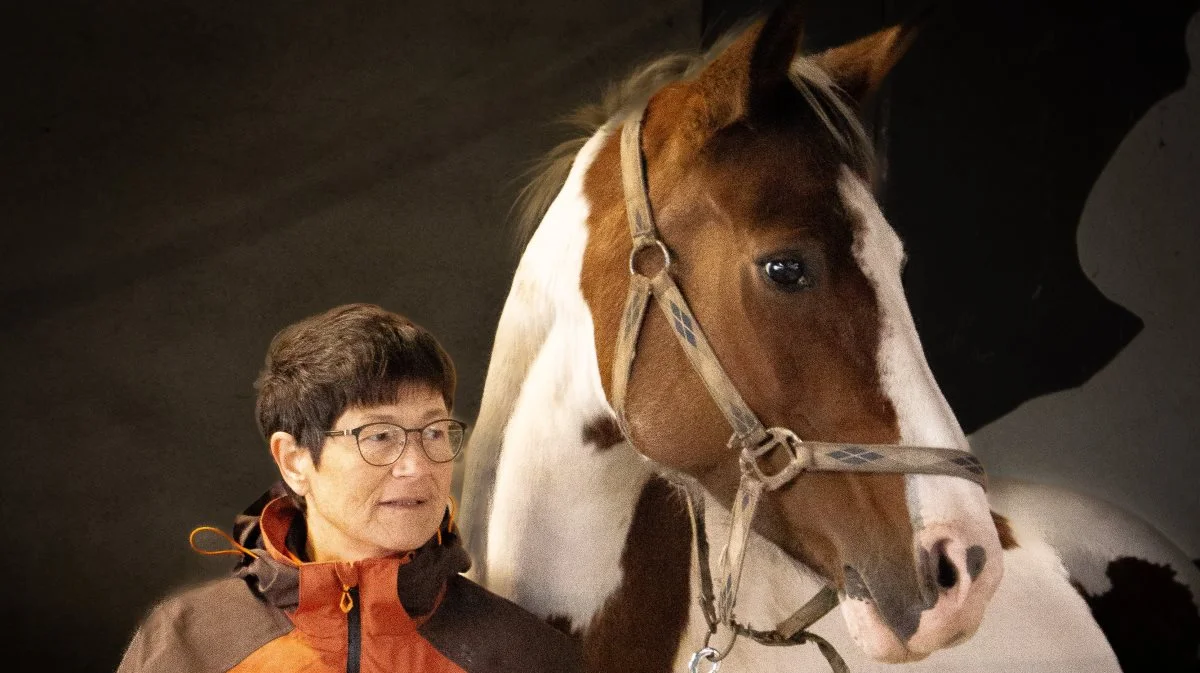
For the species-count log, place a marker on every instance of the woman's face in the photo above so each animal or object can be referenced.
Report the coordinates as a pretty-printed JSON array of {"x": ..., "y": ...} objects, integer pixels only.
[{"x": 356, "y": 510}]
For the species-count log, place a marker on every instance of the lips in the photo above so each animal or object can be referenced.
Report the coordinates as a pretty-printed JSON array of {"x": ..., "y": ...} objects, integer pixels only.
[{"x": 404, "y": 502}]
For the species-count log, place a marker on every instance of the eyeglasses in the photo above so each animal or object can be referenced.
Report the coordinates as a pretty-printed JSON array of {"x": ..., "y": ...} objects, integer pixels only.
[{"x": 382, "y": 444}]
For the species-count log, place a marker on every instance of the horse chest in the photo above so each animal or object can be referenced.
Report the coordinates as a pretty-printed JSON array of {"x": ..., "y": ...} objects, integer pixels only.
[{"x": 1036, "y": 623}]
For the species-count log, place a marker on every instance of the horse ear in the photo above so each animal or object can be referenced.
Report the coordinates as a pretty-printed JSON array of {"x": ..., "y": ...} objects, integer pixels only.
[
  {"x": 753, "y": 69},
  {"x": 859, "y": 68}
]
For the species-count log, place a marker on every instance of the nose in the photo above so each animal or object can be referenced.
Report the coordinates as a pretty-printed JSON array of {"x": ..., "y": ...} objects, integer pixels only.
[
  {"x": 944, "y": 569},
  {"x": 412, "y": 459},
  {"x": 934, "y": 603},
  {"x": 958, "y": 576}
]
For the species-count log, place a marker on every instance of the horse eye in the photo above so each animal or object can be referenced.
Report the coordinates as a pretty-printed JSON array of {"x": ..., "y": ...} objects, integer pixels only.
[{"x": 790, "y": 274}]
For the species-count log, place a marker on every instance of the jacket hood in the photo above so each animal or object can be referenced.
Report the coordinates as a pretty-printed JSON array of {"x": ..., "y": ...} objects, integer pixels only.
[{"x": 274, "y": 528}]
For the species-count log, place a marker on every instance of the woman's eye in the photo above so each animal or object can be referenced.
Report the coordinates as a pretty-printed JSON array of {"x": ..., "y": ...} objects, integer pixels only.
[{"x": 787, "y": 273}]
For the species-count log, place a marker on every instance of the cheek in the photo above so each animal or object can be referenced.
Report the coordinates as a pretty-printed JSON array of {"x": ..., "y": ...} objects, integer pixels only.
[
  {"x": 443, "y": 476},
  {"x": 354, "y": 484}
]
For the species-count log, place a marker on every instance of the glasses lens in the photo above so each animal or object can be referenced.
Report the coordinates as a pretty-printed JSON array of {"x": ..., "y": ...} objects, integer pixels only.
[
  {"x": 442, "y": 440},
  {"x": 381, "y": 443}
]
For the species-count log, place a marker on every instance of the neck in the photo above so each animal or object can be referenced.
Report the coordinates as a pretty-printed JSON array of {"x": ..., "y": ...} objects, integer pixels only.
[
  {"x": 325, "y": 545},
  {"x": 561, "y": 505}
]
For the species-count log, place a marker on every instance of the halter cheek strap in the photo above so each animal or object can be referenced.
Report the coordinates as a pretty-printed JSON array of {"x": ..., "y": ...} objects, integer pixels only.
[
  {"x": 746, "y": 427},
  {"x": 750, "y": 438}
]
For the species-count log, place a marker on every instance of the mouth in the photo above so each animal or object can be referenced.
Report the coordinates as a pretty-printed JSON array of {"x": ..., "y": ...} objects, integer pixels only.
[{"x": 404, "y": 503}]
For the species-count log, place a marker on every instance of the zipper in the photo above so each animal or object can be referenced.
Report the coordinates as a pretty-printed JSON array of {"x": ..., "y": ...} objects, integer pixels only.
[{"x": 353, "y": 632}]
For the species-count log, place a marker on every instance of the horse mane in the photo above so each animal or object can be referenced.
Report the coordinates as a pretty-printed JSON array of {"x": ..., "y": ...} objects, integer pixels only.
[{"x": 620, "y": 100}]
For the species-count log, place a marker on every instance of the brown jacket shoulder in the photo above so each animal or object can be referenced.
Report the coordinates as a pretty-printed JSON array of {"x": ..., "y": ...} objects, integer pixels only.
[{"x": 209, "y": 628}]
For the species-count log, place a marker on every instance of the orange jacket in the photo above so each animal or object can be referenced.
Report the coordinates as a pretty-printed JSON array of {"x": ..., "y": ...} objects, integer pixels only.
[{"x": 410, "y": 614}]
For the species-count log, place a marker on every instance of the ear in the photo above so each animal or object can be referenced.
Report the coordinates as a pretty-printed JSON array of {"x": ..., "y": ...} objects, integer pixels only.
[
  {"x": 750, "y": 72},
  {"x": 860, "y": 67},
  {"x": 294, "y": 461}
]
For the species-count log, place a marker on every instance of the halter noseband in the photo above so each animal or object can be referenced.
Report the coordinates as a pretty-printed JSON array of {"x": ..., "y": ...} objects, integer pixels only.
[{"x": 754, "y": 441}]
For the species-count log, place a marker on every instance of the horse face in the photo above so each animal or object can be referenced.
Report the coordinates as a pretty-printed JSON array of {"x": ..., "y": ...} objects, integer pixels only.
[{"x": 794, "y": 276}]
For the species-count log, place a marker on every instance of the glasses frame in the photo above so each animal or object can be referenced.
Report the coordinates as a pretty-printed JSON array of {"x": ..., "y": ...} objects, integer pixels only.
[{"x": 354, "y": 432}]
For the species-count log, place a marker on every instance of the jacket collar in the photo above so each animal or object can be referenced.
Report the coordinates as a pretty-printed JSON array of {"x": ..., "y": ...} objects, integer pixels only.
[{"x": 413, "y": 582}]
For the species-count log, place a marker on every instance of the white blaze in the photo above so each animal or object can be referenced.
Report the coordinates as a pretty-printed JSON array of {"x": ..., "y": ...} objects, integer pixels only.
[{"x": 924, "y": 417}]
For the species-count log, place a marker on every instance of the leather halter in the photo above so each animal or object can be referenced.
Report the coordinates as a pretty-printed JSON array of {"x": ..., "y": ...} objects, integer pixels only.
[{"x": 753, "y": 441}]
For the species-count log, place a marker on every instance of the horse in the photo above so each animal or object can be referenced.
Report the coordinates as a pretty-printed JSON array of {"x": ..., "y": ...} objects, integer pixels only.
[{"x": 596, "y": 454}]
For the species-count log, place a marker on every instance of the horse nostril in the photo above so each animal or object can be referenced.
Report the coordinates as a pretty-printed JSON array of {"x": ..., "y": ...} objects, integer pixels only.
[
  {"x": 947, "y": 574},
  {"x": 976, "y": 558},
  {"x": 944, "y": 572}
]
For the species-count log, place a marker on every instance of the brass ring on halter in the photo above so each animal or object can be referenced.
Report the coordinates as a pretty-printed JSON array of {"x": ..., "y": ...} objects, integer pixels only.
[
  {"x": 800, "y": 458},
  {"x": 707, "y": 653},
  {"x": 641, "y": 245}
]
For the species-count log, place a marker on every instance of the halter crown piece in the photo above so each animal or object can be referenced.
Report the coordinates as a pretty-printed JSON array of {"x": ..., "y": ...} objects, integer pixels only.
[{"x": 753, "y": 441}]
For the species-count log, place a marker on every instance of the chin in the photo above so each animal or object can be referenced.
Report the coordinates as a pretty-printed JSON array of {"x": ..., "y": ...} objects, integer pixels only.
[
  {"x": 874, "y": 637},
  {"x": 401, "y": 544},
  {"x": 406, "y": 532}
]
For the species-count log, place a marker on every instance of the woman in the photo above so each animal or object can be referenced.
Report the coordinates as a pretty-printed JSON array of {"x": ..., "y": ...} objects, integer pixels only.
[{"x": 352, "y": 562}]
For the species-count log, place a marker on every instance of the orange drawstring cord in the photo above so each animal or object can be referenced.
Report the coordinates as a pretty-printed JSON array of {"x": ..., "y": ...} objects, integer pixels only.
[
  {"x": 450, "y": 525},
  {"x": 238, "y": 548}
]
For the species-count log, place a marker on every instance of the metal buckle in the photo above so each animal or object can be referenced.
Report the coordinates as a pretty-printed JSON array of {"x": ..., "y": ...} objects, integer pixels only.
[
  {"x": 708, "y": 654},
  {"x": 639, "y": 246},
  {"x": 801, "y": 457}
]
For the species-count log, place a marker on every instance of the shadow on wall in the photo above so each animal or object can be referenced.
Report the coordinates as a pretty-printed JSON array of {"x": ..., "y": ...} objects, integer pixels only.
[
  {"x": 1135, "y": 421},
  {"x": 1002, "y": 117}
]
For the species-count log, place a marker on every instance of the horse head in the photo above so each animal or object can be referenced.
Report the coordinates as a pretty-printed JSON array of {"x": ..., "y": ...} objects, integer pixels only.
[{"x": 758, "y": 173}]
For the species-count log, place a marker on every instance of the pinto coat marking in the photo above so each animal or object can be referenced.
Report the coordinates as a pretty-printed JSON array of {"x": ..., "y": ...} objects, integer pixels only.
[{"x": 571, "y": 510}]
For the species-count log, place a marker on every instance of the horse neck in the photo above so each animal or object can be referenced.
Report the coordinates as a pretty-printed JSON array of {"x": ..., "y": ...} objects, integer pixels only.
[{"x": 556, "y": 507}]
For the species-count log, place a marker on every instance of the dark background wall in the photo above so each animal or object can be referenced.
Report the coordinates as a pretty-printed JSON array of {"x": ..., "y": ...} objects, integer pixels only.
[{"x": 182, "y": 179}]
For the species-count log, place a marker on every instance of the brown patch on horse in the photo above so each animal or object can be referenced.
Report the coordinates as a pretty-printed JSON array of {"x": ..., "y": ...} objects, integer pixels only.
[
  {"x": 640, "y": 626},
  {"x": 1004, "y": 529},
  {"x": 603, "y": 432},
  {"x": 1150, "y": 618}
]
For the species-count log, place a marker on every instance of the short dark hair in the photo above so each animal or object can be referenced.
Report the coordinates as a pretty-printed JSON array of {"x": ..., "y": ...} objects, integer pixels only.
[{"x": 350, "y": 356}]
